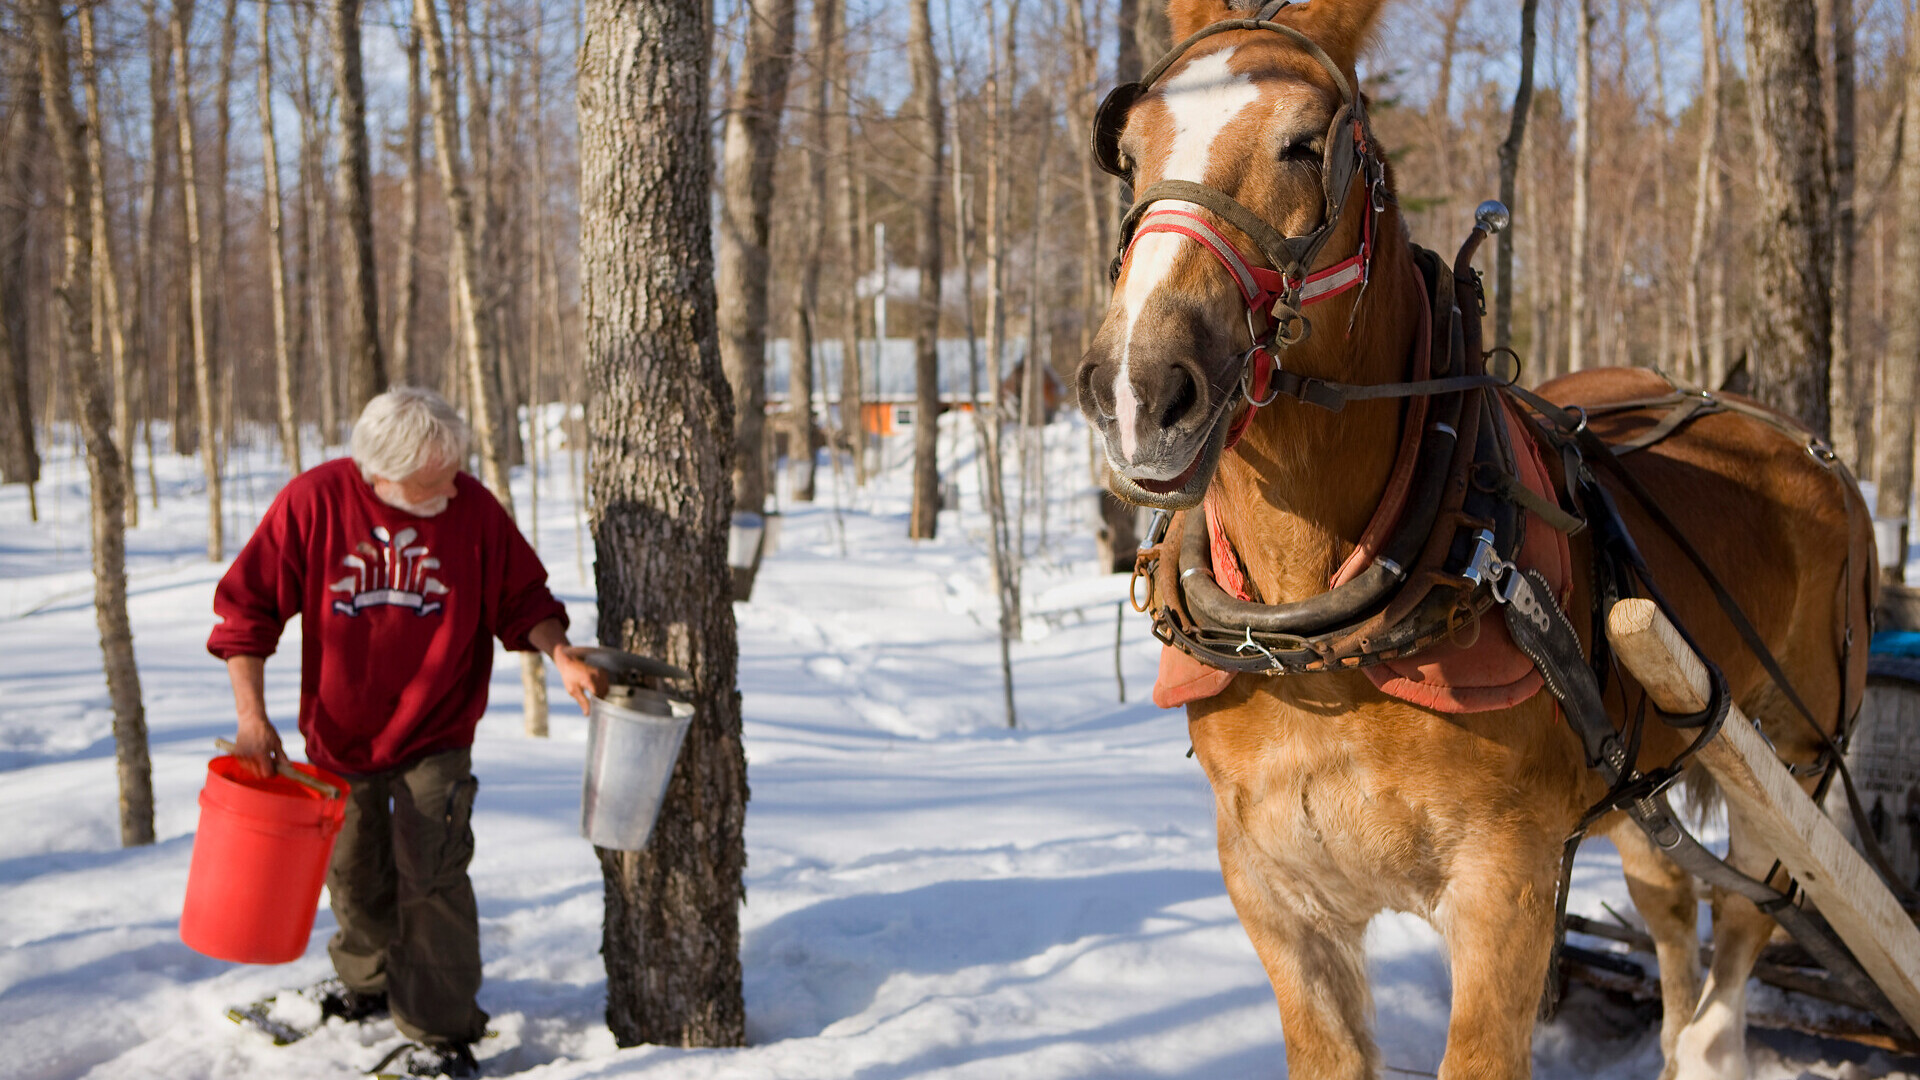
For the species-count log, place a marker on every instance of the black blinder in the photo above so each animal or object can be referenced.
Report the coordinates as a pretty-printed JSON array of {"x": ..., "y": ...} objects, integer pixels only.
[
  {"x": 1342, "y": 159},
  {"x": 1108, "y": 124}
]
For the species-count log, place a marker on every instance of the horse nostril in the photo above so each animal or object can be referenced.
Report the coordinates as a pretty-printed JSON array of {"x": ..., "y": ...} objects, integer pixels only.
[
  {"x": 1186, "y": 393},
  {"x": 1096, "y": 393}
]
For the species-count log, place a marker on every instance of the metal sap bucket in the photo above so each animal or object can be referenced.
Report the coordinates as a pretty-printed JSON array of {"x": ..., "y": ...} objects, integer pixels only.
[
  {"x": 631, "y": 748},
  {"x": 633, "y": 739}
]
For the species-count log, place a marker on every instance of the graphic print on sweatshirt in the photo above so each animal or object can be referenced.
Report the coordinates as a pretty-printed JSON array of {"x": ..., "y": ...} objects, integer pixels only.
[{"x": 389, "y": 573}]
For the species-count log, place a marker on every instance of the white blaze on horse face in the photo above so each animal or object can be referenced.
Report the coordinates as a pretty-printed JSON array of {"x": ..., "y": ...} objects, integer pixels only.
[{"x": 1202, "y": 99}]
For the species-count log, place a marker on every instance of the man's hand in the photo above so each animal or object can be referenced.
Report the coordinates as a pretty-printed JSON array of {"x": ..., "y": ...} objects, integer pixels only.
[
  {"x": 258, "y": 745},
  {"x": 579, "y": 677}
]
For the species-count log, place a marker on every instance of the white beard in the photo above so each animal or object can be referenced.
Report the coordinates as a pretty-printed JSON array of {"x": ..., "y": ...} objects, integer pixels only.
[{"x": 430, "y": 508}]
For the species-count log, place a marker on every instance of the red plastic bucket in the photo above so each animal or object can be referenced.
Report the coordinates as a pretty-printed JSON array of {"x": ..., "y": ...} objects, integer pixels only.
[{"x": 259, "y": 860}]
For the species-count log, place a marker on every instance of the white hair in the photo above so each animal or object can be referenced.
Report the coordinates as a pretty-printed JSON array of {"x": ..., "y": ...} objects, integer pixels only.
[{"x": 406, "y": 429}]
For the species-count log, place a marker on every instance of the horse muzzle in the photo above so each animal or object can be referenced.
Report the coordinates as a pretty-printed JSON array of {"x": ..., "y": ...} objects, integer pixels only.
[{"x": 1163, "y": 433}]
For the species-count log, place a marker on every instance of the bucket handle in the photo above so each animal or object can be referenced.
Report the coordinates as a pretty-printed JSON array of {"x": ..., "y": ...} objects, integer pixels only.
[{"x": 317, "y": 785}]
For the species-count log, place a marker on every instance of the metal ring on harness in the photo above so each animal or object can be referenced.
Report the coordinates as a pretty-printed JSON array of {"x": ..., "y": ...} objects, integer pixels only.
[
  {"x": 1247, "y": 362},
  {"x": 1133, "y": 587},
  {"x": 1519, "y": 365}
]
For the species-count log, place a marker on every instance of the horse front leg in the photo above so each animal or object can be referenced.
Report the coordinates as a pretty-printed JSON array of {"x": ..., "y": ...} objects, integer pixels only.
[
  {"x": 1497, "y": 918},
  {"x": 1316, "y": 963},
  {"x": 1664, "y": 895}
]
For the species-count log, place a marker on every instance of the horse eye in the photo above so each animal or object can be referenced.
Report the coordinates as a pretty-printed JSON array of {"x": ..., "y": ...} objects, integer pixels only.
[{"x": 1309, "y": 151}]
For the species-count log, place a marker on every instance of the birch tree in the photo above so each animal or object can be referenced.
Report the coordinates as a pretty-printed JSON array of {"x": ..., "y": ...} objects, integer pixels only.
[
  {"x": 109, "y": 327},
  {"x": 74, "y": 294},
  {"x": 1706, "y": 352},
  {"x": 200, "y": 314},
  {"x": 1893, "y": 437},
  {"x": 481, "y": 350},
  {"x": 276, "y": 250},
  {"x": 1582, "y": 181},
  {"x": 407, "y": 293}
]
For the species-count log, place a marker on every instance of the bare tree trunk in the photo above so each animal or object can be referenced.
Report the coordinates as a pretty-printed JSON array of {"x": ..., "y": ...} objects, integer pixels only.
[
  {"x": 1893, "y": 436},
  {"x": 1003, "y": 79},
  {"x": 366, "y": 361},
  {"x": 215, "y": 266},
  {"x": 825, "y": 20},
  {"x": 1660, "y": 150},
  {"x": 488, "y": 210},
  {"x": 852, "y": 415},
  {"x": 276, "y": 252},
  {"x": 75, "y": 294},
  {"x": 1792, "y": 324},
  {"x": 149, "y": 308},
  {"x": 109, "y": 327},
  {"x": 482, "y": 352},
  {"x": 751, "y": 139},
  {"x": 929, "y": 123},
  {"x": 672, "y": 929},
  {"x": 203, "y": 365},
  {"x": 1706, "y": 201},
  {"x": 986, "y": 415},
  {"x": 19, "y": 456},
  {"x": 1509, "y": 170},
  {"x": 1440, "y": 105},
  {"x": 157, "y": 303},
  {"x": 316, "y": 226},
  {"x": 407, "y": 295},
  {"x": 1084, "y": 72},
  {"x": 1852, "y": 374},
  {"x": 1582, "y": 180}
]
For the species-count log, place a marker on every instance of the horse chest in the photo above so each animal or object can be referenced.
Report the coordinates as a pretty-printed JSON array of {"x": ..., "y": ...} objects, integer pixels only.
[{"x": 1333, "y": 824}]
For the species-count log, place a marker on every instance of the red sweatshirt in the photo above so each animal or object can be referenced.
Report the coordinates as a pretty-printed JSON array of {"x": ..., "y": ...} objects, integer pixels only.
[{"x": 395, "y": 613}]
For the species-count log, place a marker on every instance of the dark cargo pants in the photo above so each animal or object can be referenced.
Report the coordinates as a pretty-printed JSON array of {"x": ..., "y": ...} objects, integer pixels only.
[{"x": 400, "y": 893}]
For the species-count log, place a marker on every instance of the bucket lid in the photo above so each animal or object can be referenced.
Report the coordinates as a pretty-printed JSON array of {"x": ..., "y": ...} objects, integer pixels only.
[{"x": 623, "y": 666}]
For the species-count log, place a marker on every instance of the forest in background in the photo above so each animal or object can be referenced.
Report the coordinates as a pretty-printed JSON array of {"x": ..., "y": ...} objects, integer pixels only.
[{"x": 832, "y": 94}]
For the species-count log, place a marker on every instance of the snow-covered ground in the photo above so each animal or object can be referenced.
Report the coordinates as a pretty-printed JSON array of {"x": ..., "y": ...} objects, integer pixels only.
[{"x": 929, "y": 893}]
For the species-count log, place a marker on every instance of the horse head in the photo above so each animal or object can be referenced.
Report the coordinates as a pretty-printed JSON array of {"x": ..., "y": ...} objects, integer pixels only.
[{"x": 1253, "y": 167}]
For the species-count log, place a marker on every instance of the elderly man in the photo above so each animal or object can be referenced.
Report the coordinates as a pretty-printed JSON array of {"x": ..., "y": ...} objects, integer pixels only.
[{"x": 401, "y": 568}]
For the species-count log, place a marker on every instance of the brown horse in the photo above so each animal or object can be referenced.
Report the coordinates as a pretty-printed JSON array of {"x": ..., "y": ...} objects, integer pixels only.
[{"x": 1334, "y": 801}]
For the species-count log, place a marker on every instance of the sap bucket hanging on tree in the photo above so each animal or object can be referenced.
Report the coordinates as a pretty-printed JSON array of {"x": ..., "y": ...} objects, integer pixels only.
[
  {"x": 259, "y": 859},
  {"x": 633, "y": 739}
]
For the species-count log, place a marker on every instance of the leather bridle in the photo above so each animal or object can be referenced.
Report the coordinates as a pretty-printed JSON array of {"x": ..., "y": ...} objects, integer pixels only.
[{"x": 1276, "y": 293}]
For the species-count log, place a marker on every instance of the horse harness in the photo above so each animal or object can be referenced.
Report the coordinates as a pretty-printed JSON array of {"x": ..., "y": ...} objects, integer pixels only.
[{"x": 1451, "y": 558}]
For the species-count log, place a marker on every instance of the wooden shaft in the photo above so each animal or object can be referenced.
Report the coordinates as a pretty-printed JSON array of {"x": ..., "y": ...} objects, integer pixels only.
[{"x": 1786, "y": 822}]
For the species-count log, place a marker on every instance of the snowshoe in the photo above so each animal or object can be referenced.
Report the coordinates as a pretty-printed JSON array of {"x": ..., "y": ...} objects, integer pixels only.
[
  {"x": 410, "y": 1060},
  {"x": 289, "y": 1017}
]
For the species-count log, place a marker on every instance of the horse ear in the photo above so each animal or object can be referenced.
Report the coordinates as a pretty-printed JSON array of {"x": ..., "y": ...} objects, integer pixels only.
[
  {"x": 1341, "y": 29},
  {"x": 1189, "y": 17}
]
